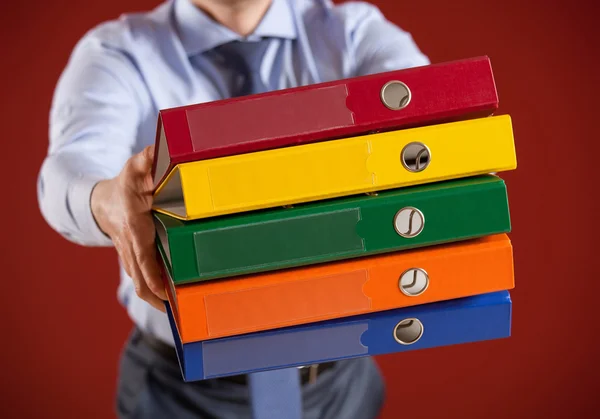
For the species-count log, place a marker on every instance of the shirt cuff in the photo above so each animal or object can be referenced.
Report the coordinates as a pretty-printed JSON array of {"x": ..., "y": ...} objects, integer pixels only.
[{"x": 79, "y": 198}]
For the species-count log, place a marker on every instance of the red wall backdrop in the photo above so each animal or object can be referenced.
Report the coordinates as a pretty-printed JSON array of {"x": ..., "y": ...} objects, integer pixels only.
[{"x": 63, "y": 329}]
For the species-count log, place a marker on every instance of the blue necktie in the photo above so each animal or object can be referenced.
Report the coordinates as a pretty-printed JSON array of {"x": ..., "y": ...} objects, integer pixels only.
[
  {"x": 274, "y": 394},
  {"x": 244, "y": 59}
]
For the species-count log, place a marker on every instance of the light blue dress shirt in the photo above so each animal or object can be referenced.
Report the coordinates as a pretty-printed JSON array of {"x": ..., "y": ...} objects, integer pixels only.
[{"x": 123, "y": 72}]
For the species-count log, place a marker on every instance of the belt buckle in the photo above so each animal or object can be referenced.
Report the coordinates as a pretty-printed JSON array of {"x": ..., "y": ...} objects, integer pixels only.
[{"x": 313, "y": 372}]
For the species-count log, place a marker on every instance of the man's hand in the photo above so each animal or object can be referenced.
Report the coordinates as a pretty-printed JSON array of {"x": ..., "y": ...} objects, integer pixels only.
[{"x": 121, "y": 207}]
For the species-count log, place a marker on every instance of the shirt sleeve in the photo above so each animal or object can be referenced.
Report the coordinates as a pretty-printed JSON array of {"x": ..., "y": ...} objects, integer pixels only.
[
  {"x": 94, "y": 118},
  {"x": 376, "y": 44}
]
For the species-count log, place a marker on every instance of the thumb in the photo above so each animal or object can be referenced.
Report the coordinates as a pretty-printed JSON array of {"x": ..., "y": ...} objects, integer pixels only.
[{"x": 142, "y": 162}]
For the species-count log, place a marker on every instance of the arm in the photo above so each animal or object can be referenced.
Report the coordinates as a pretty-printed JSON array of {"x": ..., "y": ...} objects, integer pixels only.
[
  {"x": 377, "y": 44},
  {"x": 91, "y": 189}
]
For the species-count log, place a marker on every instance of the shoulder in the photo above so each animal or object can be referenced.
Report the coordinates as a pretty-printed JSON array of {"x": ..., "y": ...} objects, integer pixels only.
[
  {"x": 354, "y": 12},
  {"x": 345, "y": 15},
  {"x": 128, "y": 35},
  {"x": 347, "y": 24},
  {"x": 110, "y": 56},
  {"x": 357, "y": 36}
]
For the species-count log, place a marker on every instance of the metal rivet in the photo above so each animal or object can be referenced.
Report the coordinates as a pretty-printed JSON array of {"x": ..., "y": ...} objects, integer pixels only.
[
  {"x": 415, "y": 157},
  {"x": 408, "y": 331},
  {"x": 409, "y": 222},
  {"x": 395, "y": 95},
  {"x": 413, "y": 282}
]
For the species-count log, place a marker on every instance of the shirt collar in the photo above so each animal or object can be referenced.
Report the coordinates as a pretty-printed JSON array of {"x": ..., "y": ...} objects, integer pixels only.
[{"x": 199, "y": 33}]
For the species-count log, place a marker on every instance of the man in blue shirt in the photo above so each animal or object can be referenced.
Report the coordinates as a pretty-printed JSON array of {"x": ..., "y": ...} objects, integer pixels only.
[{"x": 94, "y": 186}]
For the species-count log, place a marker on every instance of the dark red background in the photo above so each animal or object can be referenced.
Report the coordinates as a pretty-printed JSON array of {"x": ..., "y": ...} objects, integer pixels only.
[{"x": 63, "y": 329}]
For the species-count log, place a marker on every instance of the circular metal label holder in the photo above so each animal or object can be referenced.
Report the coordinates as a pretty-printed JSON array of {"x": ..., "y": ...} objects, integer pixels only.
[
  {"x": 408, "y": 331},
  {"x": 409, "y": 222},
  {"x": 413, "y": 282},
  {"x": 415, "y": 157},
  {"x": 395, "y": 95}
]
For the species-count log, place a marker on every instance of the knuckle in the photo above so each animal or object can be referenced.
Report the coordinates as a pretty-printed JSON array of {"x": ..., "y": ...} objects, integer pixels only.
[
  {"x": 154, "y": 287},
  {"x": 123, "y": 178},
  {"x": 141, "y": 257},
  {"x": 118, "y": 243},
  {"x": 145, "y": 256},
  {"x": 140, "y": 290},
  {"x": 123, "y": 245},
  {"x": 129, "y": 164},
  {"x": 128, "y": 226}
]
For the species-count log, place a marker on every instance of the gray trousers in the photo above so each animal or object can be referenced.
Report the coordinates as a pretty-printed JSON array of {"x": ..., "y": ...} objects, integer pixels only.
[{"x": 150, "y": 387}]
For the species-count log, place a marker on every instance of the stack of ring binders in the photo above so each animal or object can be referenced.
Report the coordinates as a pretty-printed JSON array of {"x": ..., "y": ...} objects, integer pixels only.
[{"x": 339, "y": 220}]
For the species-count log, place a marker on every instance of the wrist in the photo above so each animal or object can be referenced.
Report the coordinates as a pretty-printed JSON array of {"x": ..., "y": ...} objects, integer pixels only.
[{"x": 98, "y": 200}]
